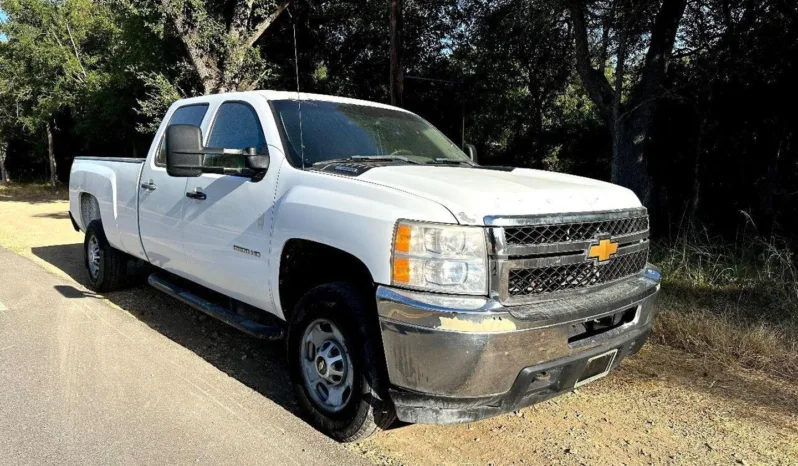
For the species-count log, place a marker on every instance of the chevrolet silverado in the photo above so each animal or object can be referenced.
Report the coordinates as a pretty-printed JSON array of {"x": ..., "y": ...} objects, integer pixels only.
[{"x": 407, "y": 280}]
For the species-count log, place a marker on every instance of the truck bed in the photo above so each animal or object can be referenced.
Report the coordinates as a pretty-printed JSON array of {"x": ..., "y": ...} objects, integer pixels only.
[{"x": 114, "y": 182}]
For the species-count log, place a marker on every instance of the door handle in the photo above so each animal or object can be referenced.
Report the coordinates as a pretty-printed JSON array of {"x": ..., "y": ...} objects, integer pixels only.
[
  {"x": 198, "y": 195},
  {"x": 149, "y": 186}
]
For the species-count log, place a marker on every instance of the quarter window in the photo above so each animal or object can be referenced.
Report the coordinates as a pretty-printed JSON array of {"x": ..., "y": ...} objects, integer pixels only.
[{"x": 186, "y": 115}]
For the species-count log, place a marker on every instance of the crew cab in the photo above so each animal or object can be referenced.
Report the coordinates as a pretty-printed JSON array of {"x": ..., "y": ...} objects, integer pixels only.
[{"x": 407, "y": 280}]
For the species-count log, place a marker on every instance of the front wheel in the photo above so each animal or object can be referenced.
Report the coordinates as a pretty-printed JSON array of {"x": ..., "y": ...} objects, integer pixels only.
[{"x": 334, "y": 360}]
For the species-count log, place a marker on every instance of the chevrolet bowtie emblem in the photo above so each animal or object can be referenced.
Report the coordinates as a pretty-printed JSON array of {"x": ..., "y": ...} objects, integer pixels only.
[{"x": 602, "y": 251}]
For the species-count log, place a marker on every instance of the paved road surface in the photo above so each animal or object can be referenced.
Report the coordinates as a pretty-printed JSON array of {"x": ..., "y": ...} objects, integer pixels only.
[{"x": 84, "y": 383}]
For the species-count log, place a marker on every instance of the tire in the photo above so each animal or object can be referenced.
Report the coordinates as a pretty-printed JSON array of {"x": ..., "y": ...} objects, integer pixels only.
[
  {"x": 367, "y": 407},
  {"x": 106, "y": 272}
]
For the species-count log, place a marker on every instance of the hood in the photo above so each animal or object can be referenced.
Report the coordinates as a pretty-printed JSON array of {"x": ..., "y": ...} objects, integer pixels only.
[{"x": 471, "y": 194}]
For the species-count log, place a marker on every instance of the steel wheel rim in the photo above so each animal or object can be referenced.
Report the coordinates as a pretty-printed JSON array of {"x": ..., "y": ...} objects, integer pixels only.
[
  {"x": 94, "y": 257},
  {"x": 326, "y": 366}
]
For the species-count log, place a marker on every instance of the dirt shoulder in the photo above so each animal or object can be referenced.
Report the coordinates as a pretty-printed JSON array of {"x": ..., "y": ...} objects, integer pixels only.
[{"x": 662, "y": 406}]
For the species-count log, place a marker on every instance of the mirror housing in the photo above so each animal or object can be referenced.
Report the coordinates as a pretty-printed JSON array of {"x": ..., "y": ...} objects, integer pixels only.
[
  {"x": 471, "y": 151},
  {"x": 184, "y": 151},
  {"x": 258, "y": 163},
  {"x": 185, "y": 155}
]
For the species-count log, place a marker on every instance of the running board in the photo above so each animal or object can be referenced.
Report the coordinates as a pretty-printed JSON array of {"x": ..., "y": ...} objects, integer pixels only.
[{"x": 244, "y": 324}]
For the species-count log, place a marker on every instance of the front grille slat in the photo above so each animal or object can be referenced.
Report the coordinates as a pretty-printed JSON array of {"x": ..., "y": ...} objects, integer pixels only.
[
  {"x": 542, "y": 257},
  {"x": 573, "y": 231},
  {"x": 536, "y": 281}
]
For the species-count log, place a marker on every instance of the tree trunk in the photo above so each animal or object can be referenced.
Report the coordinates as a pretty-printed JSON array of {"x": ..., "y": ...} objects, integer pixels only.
[
  {"x": 51, "y": 155},
  {"x": 695, "y": 198},
  {"x": 4, "y": 179},
  {"x": 397, "y": 75},
  {"x": 629, "y": 138},
  {"x": 221, "y": 72},
  {"x": 629, "y": 129}
]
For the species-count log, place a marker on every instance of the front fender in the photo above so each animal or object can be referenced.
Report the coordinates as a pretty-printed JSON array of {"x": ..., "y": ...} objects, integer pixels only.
[{"x": 355, "y": 216}]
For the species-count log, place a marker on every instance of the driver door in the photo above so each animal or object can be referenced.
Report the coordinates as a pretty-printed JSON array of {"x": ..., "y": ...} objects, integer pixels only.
[{"x": 227, "y": 218}]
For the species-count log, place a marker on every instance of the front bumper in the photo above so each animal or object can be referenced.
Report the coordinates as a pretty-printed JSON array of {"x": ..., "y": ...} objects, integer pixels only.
[{"x": 458, "y": 359}]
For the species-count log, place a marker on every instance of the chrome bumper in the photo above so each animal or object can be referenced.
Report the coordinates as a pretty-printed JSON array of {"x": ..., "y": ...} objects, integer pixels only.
[{"x": 464, "y": 347}]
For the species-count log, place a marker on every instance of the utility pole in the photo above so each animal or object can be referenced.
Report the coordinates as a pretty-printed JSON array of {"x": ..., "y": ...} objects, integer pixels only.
[{"x": 397, "y": 75}]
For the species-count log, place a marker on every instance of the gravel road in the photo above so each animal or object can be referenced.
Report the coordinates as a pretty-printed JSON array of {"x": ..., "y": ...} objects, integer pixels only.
[{"x": 660, "y": 407}]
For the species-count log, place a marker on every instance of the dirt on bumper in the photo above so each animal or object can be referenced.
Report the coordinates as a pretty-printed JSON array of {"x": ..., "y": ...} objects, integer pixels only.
[{"x": 450, "y": 364}]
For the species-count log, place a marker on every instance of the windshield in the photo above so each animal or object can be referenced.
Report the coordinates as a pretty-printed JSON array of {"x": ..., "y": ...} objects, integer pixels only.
[{"x": 332, "y": 130}]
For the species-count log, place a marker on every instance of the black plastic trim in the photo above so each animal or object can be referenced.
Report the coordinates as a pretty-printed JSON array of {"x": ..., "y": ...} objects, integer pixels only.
[
  {"x": 112, "y": 159},
  {"x": 74, "y": 223},
  {"x": 240, "y": 322}
]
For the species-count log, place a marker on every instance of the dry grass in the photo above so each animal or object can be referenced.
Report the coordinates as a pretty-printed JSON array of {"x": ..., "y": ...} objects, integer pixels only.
[
  {"x": 38, "y": 192},
  {"x": 731, "y": 302}
]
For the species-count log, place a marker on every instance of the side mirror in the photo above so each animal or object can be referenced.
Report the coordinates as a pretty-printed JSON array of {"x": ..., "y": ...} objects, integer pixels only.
[
  {"x": 471, "y": 151},
  {"x": 258, "y": 163},
  {"x": 184, "y": 151}
]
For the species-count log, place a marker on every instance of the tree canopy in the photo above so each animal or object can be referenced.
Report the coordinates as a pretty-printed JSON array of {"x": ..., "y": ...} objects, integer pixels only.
[{"x": 688, "y": 103}]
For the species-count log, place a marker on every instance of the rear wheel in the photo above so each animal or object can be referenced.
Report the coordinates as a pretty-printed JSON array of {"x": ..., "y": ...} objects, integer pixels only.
[
  {"x": 334, "y": 360},
  {"x": 105, "y": 266}
]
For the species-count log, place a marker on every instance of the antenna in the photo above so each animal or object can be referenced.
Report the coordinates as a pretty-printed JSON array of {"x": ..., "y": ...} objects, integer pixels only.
[{"x": 298, "y": 97}]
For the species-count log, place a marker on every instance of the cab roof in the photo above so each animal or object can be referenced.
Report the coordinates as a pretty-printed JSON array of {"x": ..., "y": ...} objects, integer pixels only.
[{"x": 286, "y": 95}]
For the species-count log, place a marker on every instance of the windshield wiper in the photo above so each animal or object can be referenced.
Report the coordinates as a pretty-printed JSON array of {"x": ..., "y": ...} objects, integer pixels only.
[
  {"x": 443, "y": 160},
  {"x": 370, "y": 158}
]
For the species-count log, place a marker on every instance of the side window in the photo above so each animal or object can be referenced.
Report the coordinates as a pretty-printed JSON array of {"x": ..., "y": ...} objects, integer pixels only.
[
  {"x": 236, "y": 127},
  {"x": 186, "y": 115}
]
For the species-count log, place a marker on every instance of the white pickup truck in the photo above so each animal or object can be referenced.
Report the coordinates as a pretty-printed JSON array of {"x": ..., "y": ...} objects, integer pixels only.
[{"x": 408, "y": 280}]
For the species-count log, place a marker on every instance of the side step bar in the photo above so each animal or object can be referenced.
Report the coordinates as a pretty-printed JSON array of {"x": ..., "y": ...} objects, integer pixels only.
[{"x": 246, "y": 325}]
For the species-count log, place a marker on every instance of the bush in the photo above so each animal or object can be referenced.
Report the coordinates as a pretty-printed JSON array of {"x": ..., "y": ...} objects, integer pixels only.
[{"x": 731, "y": 302}]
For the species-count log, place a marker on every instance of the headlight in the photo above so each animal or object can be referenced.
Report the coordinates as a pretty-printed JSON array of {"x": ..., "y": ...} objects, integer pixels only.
[{"x": 444, "y": 258}]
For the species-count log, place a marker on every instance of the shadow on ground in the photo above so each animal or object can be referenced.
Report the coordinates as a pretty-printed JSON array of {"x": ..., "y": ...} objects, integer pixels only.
[
  {"x": 261, "y": 365},
  {"x": 257, "y": 364},
  {"x": 55, "y": 215}
]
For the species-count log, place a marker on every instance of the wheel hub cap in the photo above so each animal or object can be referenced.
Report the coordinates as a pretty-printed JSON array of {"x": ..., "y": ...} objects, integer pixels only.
[
  {"x": 326, "y": 366},
  {"x": 94, "y": 256}
]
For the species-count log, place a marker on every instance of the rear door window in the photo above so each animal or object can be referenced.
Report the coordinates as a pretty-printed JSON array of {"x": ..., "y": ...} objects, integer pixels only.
[{"x": 186, "y": 115}]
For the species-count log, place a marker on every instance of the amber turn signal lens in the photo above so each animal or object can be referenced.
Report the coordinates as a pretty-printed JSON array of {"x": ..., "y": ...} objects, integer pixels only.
[
  {"x": 402, "y": 239},
  {"x": 401, "y": 270}
]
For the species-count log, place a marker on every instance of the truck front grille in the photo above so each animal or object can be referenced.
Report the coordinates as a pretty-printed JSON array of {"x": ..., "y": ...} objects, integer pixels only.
[
  {"x": 578, "y": 231},
  {"x": 538, "y": 257},
  {"x": 537, "y": 281}
]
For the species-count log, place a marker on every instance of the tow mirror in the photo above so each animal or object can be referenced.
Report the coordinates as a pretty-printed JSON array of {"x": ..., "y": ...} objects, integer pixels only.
[
  {"x": 257, "y": 160},
  {"x": 185, "y": 155},
  {"x": 184, "y": 151},
  {"x": 258, "y": 163},
  {"x": 471, "y": 151}
]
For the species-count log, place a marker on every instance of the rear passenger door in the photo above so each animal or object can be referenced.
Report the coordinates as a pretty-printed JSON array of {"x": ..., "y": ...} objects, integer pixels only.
[
  {"x": 227, "y": 228},
  {"x": 162, "y": 197}
]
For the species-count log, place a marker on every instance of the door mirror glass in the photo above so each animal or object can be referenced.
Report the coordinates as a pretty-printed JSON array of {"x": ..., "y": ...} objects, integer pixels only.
[{"x": 184, "y": 151}]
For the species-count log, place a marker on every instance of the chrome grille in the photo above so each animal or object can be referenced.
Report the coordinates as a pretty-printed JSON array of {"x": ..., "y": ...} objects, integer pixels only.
[
  {"x": 534, "y": 257},
  {"x": 540, "y": 280},
  {"x": 574, "y": 231}
]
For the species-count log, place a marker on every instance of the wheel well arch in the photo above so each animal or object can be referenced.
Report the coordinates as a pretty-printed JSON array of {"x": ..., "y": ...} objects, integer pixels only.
[
  {"x": 89, "y": 209},
  {"x": 305, "y": 264}
]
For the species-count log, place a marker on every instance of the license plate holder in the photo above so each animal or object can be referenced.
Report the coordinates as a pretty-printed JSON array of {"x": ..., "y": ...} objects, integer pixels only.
[{"x": 597, "y": 367}]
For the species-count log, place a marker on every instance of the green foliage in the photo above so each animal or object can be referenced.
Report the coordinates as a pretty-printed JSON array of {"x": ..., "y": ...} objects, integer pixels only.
[
  {"x": 161, "y": 93},
  {"x": 51, "y": 47},
  {"x": 722, "y": 138}
]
